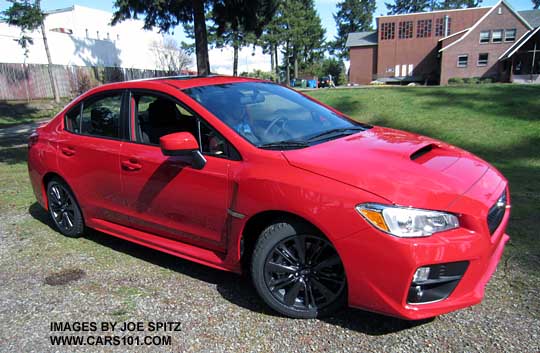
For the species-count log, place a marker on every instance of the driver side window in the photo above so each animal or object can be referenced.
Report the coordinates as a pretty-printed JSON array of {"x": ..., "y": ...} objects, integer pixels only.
[{"x": 156, "y": 116}]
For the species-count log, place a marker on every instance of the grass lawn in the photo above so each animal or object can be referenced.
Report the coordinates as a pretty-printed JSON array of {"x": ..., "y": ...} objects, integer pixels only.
[
  {"x": 500, "y": 123},
  {"x": 21, "y": 112}
]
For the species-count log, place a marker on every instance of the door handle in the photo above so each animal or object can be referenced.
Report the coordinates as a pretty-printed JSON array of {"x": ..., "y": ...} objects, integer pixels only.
[
  {"x": 68, "y": 151},
  {"x": 131, "y": 165}
]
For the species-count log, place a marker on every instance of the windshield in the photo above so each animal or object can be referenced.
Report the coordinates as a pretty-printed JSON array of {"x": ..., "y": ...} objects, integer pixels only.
[{"x": 271, "y": 116}]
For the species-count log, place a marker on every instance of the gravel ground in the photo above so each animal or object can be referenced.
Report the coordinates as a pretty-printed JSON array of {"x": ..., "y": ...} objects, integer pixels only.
[{"x": 46, "y": 278}]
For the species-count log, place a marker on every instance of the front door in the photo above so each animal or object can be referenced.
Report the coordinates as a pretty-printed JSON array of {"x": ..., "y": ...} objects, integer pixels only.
[{"x": 165, "y": 195}]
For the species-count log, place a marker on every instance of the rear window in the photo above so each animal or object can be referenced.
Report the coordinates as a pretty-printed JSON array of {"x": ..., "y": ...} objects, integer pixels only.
[{"x": 101, "y": 117}]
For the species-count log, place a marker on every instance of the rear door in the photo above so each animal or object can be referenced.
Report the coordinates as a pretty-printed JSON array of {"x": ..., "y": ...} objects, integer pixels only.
[
  {"x": 88, "y": 154},
  {"x": 165, "y": 195}
]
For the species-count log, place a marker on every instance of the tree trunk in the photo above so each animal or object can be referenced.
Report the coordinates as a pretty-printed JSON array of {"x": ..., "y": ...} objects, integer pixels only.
[
  {"x": 49, "y": 61},
  {"x": 295, "y": 65},
  {"x": 272, "y": 58},
  {"x": 201, "y": 38},
  {"x": 235, "y": 60},
  {"x": 235, "y": 55},
  {"x": 287, "y": 65},
  {"x": 276, "y": 61}
]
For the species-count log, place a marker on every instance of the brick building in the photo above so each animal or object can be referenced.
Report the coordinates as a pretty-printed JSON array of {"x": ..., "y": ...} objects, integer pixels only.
[{"x": 439, "y": 45}]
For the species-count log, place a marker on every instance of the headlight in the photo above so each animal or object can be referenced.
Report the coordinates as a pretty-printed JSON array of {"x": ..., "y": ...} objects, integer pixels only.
[{"x": 406, "y": 222}]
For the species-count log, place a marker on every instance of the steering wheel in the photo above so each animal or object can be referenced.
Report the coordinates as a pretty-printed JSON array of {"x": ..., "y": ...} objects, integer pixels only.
[{"x": 280, "y": 122}]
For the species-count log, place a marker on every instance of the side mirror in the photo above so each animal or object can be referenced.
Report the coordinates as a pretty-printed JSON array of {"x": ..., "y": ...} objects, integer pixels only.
[{"x": 182, "y": 144}]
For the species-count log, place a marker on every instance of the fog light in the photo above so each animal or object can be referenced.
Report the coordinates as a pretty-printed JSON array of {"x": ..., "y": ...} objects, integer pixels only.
[
  {"x": 421, "y": 274},
  {"x": 419, "y": 292},
  {"x": 435, "y": 282}
]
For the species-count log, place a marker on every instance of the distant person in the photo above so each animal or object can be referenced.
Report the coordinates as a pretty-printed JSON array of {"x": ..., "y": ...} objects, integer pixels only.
[{"x": 331, "y": 83}]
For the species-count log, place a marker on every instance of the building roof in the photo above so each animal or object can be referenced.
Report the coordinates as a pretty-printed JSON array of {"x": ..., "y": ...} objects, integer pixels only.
[
  {"x": 501, "y": 2},
  {"x": 362, "y": 39},
  {"x": 531, "y": 16},
  {"x": 436, "y": 11},
  {"x": 514, "y": 48}
]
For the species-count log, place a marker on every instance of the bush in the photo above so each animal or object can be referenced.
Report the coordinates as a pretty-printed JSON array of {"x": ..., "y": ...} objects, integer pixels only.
[
  {"x": 471, "y": 80},
  {"x": 84, "y": 81},
  {"x": 455, "y": 81},
  {"x": 263, "y": 75}
]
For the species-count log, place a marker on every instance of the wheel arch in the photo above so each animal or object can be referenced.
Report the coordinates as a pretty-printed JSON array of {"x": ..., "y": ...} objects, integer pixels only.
[
  {"x": 46, "y": 179},
  {"x": 258, "y": 222}
]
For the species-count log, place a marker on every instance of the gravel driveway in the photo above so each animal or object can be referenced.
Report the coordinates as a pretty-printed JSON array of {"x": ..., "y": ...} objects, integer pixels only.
[{"x": 45, "y": 277}]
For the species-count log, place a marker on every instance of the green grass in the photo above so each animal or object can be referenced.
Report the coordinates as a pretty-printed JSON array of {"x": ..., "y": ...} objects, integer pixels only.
[
  {"x": 22, "y": 112},
  {"x": 500, "y": 123}
]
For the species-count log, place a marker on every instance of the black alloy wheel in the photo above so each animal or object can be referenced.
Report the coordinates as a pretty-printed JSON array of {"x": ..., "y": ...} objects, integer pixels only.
[
  {"x": 302, "y": 274},
  {"x": 64, "y": 210}
]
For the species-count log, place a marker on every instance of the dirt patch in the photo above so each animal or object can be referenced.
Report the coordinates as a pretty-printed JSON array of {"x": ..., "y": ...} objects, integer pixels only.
[{"x": 64, "y": 277}]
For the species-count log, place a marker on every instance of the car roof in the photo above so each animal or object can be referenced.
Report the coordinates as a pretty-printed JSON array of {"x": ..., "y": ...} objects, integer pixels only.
[{"x": 184, "y": 82}]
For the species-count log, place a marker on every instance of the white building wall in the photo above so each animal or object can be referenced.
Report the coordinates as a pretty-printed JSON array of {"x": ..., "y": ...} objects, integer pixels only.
[{"x": 93, "y": 41}]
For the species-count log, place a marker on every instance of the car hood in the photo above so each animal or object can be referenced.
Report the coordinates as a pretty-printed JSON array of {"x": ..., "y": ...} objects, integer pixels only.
[{"x": 404, "y": 168}]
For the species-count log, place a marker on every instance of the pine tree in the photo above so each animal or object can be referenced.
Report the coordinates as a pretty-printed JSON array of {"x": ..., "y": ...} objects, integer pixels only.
[
  {"x": 252, "y": 15},
  {"x": 352, "y": 16},
  {"x": 301, "y": 35},
  {"x": 459, "y": 4},
  {"x": 410, "y": 6},
  {"x": 536, "y": 4}
]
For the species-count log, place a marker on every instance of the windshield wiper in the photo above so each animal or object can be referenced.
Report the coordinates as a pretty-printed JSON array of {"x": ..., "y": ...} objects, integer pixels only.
[
  {"x": 284, "y": 145},
  {"x": 337, "y": 132}
]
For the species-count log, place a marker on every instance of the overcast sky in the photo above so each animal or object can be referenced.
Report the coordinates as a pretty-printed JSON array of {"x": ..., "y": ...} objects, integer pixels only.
[{"x": 221, "y": 60}]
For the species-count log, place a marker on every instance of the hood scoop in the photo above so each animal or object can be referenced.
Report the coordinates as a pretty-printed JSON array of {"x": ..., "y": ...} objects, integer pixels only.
[{"x": 422, "y": 151}]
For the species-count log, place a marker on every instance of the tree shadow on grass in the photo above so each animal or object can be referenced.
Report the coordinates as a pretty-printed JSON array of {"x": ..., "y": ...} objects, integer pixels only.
[
  {"x": 236, "y": 289},
  {"x": 14, "y": 113},
  {"x": 516, "y": 101},
  {"x": 13, "y": 155},
  {"x": 18, "y": 113}
]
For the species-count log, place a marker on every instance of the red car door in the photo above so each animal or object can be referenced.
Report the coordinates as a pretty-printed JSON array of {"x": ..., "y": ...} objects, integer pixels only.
[
  {"x": 165, "y": 195},
  {"x": 88, "y": 155}
]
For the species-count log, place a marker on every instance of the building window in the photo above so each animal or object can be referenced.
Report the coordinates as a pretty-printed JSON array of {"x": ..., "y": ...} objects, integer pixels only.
[
  {"x": 388, "y": 30},
  {"x": 510, "y": 35},
  {"x": 497, "y": 36},
  {"x": 423, "y": 28},
  {"x": 484, "y": 36},
  {"x": 462, "y": 60},
  {"x": 440, "y": 26},
  {"x": 405, "y": 29},
  {"x": 482, "y": 59}
]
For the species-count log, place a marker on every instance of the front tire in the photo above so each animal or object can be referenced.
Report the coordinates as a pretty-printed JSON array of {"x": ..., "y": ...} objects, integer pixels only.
[
  {"x": 297, "y": 271},
  {"x": 64, "y": 209}
]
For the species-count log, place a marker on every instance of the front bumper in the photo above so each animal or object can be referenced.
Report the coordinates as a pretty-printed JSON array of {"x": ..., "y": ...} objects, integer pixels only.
[{"x": 380, "y": 268}]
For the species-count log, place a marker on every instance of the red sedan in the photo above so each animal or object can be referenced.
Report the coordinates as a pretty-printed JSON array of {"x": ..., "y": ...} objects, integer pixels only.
[{"x": 246, "y": 175}]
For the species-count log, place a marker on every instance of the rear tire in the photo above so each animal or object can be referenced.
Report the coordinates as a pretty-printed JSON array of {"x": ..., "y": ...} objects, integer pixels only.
[
  {"x": 64, "y": 209},
  {"x": 297, "y": 271}
]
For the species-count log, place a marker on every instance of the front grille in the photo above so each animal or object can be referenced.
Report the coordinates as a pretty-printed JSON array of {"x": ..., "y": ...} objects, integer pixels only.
[{"x": 496, "y": 213}]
